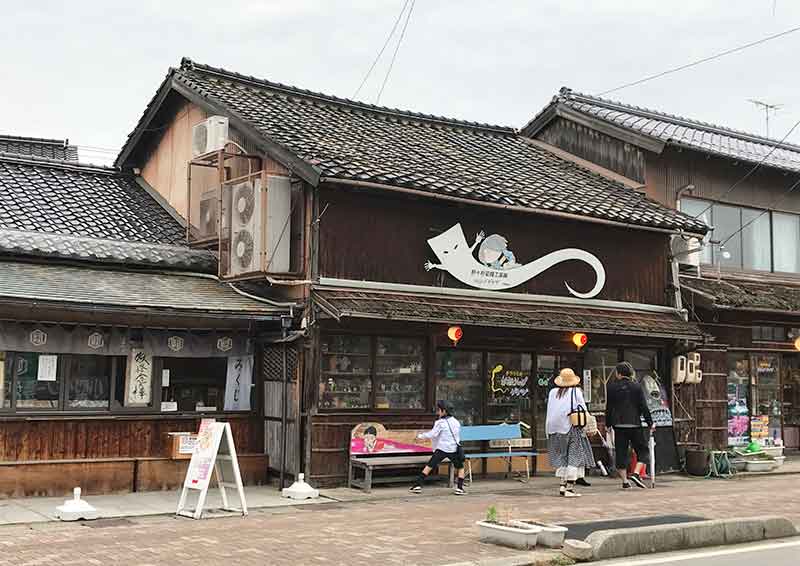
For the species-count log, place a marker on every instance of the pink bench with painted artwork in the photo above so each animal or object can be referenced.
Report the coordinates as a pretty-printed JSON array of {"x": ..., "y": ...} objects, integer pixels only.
[{"x": 373, "y": 447}]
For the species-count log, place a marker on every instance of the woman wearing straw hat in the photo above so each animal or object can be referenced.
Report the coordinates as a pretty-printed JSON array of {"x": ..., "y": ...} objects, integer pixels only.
[{"x": 569, "y": 449}]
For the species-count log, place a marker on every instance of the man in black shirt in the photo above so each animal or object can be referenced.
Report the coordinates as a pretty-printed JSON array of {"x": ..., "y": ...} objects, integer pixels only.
[{"x": 625, "y": 408}]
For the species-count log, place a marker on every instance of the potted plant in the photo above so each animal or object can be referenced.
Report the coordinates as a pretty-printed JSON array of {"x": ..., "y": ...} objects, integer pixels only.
[
  {"x": 551, "y": 536},
  {"x": 697, "y": 462},
  {"x": 515, "y": 534}
]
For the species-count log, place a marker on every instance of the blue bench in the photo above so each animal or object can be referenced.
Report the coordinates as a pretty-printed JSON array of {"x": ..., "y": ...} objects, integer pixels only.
[{"x": 501, "y": 432}]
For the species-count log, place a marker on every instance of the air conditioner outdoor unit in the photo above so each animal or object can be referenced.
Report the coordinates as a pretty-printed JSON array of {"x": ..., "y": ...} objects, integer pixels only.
[
  {"x": 246, "y": 241},
  {"x": 679, "y": 369},
  {"x": 209, "y": 135},
  {"x": 278, "y": 225},
  {"x": 208, "y": 223},
  {"x": 682, "y": 247},
  {"x": 260, "y": 227}
]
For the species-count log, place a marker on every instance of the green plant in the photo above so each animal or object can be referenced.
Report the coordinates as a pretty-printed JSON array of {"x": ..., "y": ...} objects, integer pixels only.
[
  {"x": 491, "y": 514},
  {"x": 561, "y": 560}
]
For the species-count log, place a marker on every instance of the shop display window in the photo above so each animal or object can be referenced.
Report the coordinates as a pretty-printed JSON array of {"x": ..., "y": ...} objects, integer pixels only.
[
  {"x": 602, "y": 363},
  {"x": 364, "y": 372},
  {"x": 545, "y": 374},
  {"x": 89, "y": 382},
  {"x": 459, "y": 381},
  {"x": 738, "y": 399},
  {"x": 765, "y": 419},
  {"x": 195, "y": 384},
  {"x": 5, "y": 380},
  {"x": 35, "y": 388},
  {"x": 508, "y": 383},
  {"x": 346, "y": 376},
  {"x": 399, "y": 373},
  {"x": 791, "y": 391}
]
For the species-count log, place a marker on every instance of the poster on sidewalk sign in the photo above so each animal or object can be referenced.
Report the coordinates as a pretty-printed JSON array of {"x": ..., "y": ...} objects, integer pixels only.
[{"x": 214, "y": 455}]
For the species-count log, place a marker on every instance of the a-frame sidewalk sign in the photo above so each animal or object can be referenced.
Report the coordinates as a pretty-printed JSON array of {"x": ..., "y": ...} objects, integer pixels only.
[{"x": 213, "y": 453}]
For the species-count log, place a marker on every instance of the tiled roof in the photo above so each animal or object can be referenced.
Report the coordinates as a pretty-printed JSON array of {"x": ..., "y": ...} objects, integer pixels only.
[
  {"x": 745, "y": 295},
  {"x": 44, "y": 195},
  {"x": 39, "y": 147},
  {"x": 348, "y": 140},
  {"x": 48, "y": 245},
  {"x": 124, "y": 289},
  {"x": 504, "y": 314},
  {"x": 676, "y": 130}
]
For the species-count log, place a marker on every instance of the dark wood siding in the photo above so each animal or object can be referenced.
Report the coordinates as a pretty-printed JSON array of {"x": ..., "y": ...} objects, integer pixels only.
[
  {"x": 712, "y": 177},
  {"x": 121, "y": 437},
  {"x": 589, "y": 144},
  {"x": 367, "y": 236}
]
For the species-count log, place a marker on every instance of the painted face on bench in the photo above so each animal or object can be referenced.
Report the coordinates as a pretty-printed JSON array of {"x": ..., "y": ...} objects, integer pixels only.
[{"x": 370, "y": 439}]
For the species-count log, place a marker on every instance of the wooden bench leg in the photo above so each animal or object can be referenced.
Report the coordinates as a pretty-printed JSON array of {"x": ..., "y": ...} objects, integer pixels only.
[
  {"x": 367, "y": 479},
  {"x": 528, "y": 466},
  {"x": 451, "y": 481},
  {"x": 469, "y": 462},
  {"x": 350, "y": 476}
]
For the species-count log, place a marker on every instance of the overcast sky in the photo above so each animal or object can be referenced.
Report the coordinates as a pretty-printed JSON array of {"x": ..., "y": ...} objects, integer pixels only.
[{"x": 85, "y": 69}]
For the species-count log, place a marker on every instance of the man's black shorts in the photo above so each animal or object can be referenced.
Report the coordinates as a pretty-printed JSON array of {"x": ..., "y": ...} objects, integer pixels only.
[
  {"x": 439, "y": 456},
  {"x": 634, "y": 438}
]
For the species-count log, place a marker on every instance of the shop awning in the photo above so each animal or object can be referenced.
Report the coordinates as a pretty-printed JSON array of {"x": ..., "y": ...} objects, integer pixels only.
[
  {"x": 67, "y": 285},
  {"x": 744, "y": 295},
  {"x": 357, "y": 303}
]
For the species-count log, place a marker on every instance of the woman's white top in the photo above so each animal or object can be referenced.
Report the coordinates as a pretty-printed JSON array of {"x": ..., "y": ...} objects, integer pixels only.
[
  {"x": 441, "y": 436},
  {"x": 558, "y": 409}
]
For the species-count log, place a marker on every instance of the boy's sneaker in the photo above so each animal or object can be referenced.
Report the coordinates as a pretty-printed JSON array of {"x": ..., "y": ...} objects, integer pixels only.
[
  {"x": 626, "y": 485},
  {"x": 637, "y": 481},
  {"x": 459, "y": 491},
  {"x": 570, "y": 493},
  {"x": 415, "y": 489}
]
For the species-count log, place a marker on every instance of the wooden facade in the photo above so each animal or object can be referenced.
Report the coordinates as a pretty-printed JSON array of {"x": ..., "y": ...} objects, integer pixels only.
[
  {"x": 668, "y": 175},
  {"x": 368, "y": 236}
]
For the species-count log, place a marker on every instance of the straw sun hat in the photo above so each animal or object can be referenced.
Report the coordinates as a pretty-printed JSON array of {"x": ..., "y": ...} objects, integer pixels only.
[{"x": 567, "y": 378}]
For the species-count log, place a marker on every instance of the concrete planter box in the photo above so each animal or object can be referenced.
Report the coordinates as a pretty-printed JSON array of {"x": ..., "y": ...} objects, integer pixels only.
[
  {"x": 773, "y": 451},
  {"x": 760, "y": 465},
  {"x": 551, "y": 536},
  {"x": 516, "y": 535}
]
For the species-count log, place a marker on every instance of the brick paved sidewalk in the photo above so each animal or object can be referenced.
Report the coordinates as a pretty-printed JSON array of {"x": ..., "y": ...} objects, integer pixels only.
[{"x": 431, "y": 529}]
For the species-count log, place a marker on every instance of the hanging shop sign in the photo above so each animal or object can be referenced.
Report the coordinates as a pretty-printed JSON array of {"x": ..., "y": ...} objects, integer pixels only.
[
  {"x": 139, "y": 386},
  {"x": 496, "y": 266},
  {"x": 238, "y": 383}
]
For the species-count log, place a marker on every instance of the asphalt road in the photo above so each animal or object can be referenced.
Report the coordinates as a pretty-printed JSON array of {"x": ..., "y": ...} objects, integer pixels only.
[{"x": 769, "y": 553}]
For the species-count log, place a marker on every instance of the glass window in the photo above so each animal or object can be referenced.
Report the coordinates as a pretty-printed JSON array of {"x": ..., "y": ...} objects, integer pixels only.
[
  {"x": 786, "y": 235},
  {"x": 37, "y": 389},
  {"x": 699, "y": 209},
  {"x": 196, "y": 384},
  {"x": 5, "y": 380},
  {"x": 545, "y": 374},
  {"x": 508, "y": 389},
  {"x": 766, "y": 413},
  {"x": 601, "y": 362},
  {"x": 345, "y": 379},
  {"x": 727, "y": 222},
  {"x": 399, "y": 373},
  {"x": 89, "y": 382},
  {"x": 738, "y": 398},
  {"x": 459, "y": 381},
  {"x": 756, "y": 244}
]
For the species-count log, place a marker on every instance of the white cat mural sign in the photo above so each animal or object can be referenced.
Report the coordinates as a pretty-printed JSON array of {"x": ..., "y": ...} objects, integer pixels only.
[{"x": 496, "y": 267}]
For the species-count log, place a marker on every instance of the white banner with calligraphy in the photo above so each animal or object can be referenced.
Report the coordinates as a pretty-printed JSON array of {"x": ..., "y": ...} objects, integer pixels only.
[
  {"x": 238, "y": 383},
  {"x": 139, "y": 382}
]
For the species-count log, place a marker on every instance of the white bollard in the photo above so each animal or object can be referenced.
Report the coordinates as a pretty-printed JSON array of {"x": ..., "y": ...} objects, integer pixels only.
[{"x": 76, "y": 508}]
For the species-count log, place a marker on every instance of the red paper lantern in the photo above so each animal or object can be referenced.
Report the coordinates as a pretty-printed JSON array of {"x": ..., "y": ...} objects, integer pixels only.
[
  {"x": 455, "y": 334},
  {"x": 579, "y": 339}
]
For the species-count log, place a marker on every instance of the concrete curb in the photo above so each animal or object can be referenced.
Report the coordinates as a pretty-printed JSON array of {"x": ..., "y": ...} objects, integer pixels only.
[
  {"x": 534, "y": 558},
  {"x": 619, "y": 543}
]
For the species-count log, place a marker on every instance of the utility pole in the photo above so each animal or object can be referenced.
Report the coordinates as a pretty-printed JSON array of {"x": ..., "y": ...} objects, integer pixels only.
[{"x": 767, "y": 109}]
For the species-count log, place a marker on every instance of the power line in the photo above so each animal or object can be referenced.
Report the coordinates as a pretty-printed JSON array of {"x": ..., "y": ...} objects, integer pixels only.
[
  {"x": 751, "y": 171},
  {"x": 396, "y": 49},
  {"x": 388, "y": 39},
  {"x": 700, "y": 61}
]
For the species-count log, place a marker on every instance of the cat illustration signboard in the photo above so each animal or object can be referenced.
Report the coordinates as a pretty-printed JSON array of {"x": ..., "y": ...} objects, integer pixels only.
[{"x": 495, "y": 266}]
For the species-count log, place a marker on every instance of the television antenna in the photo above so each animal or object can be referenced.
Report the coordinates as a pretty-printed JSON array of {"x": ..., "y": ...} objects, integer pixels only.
[{"x": 767, "y": 109}]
